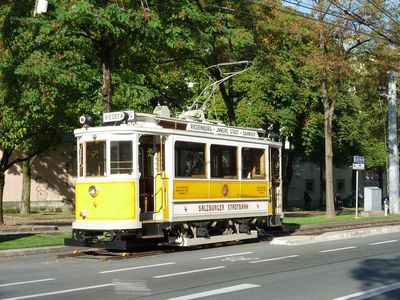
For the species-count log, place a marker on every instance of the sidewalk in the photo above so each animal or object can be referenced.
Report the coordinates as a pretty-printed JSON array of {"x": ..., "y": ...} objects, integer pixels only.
[{"x": 20, "y": 225}]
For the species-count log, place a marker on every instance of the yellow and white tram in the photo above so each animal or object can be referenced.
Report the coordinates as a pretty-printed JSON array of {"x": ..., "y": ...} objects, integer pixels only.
[{"x": 184, "y": 180}]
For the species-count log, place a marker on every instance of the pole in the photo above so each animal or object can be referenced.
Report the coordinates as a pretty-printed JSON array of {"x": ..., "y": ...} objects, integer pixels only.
[
  {"x": 393, "y": 148},
  {"x": 357, "y": 194}
]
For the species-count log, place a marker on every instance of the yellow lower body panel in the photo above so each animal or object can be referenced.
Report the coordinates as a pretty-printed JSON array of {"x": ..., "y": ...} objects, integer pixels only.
[
  {"x": 204, "y": 189},
  {"x": 114, "y": 200}
]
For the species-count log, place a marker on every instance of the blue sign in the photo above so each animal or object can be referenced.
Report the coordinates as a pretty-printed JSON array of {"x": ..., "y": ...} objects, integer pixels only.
[{"x": 358, "y": 159}]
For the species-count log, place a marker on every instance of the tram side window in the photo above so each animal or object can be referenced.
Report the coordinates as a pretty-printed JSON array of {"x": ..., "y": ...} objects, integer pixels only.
[
  {"x": 223, "y": 161},
  {"x": 190, "y": 159},
  {"x": 95, "y": 159},
  {"x": 253, "y": 163},
  {"x": 121, "y": 157}
]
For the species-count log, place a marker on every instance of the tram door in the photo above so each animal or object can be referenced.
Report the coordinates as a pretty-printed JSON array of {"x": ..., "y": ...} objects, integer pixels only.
[
  {"x": 275, "y": 178},
  {"x": 151, "y": 165}
]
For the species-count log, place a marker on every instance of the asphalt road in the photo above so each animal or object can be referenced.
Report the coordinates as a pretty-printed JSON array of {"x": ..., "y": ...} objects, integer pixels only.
[{"x": 343, "y": 269}]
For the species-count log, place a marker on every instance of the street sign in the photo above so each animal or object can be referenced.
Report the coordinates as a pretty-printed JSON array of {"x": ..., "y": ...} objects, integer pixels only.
[
  {"x": 358, "y": 166},
  {"x": 358, "y": 159}
]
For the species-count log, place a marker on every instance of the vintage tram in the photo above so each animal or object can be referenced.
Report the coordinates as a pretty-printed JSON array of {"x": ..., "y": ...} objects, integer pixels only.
[{"x": 184, "y": 181}]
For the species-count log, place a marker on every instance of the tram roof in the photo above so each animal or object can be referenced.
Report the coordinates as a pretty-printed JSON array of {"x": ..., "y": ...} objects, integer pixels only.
[{"x": 129, "y": 120}]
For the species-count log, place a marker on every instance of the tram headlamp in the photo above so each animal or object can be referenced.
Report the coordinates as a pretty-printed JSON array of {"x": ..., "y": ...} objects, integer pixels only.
[
  {"x": 92, "y": 191},
  {"x": 86, "y": 120}
]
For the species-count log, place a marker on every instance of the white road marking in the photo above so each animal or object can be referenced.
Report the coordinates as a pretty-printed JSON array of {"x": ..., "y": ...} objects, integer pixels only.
[
  {"x": 60, "y": 292},
  {"x": 338, "y": 249},
  {"x": 239, "y": 258},
  {"x": 372, "y": 292},
  {"x": 189, "y": 272},
  {"x": 384, "y": 242},
  {"x": 229, "y": 289},
  {"x": 138, "y": 267},
  {"x": 272, "y": 259},
  {"x": 25, "y": 282},
  {"x": 226, "y": 255}
]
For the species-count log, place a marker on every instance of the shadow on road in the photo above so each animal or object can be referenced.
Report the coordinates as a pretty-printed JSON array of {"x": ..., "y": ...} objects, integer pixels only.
[{"x": 375, "y": 273}]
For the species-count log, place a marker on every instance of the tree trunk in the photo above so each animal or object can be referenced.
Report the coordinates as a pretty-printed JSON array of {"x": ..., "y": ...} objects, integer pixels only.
[
  {"x": 4, "y": 165},
  {"x": 227, "y": 99},
  {"x": 107, "y": 88},
  {"x": 287, "y": 177},
  {"x": 321, "y": 183},
  {"x": 328, "y": 114},
  {"x": 26, "y": 188},
  {"x": 2, "y": 184},
  {"x": 329, "y": 106},
  {"x": 103, "y": 50}
]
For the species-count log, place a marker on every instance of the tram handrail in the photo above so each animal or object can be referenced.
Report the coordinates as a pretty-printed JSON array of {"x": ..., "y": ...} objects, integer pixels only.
[{"x": 162, "y": 189}]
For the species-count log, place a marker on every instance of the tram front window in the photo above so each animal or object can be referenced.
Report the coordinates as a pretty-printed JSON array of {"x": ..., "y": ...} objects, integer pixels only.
[
  {"x": 95, "y": 159},
  {"x": 121, "y": 157}
]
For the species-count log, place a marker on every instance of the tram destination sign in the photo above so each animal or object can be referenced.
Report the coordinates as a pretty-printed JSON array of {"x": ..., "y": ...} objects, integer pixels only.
[
  {"x": 118, "y": 116},
  {"x": 221, "y": 130}
]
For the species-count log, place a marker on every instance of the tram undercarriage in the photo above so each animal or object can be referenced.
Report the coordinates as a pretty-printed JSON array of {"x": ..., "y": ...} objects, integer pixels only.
[{"x": 178, "y": 234}]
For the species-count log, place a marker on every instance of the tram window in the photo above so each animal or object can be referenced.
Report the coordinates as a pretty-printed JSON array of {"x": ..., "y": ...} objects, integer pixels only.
[
  {"x": 253, "y": 163},
  {"x": 95, "y": 158},
  {"x": 223, "y": 161},
  {"x": 121, "y": 157},
  {"x": 190, "y": 159}
]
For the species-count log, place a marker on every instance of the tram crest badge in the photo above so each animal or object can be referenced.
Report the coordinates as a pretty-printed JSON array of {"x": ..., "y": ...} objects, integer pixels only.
[{"x": 225, "y": 190}]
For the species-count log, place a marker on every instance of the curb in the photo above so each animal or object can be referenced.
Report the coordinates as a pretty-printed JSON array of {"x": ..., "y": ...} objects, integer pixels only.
[
  {"x": 334, "y": 235},
  {"x": 28, "y": 230},
  {"x": 31, "y": 251}
]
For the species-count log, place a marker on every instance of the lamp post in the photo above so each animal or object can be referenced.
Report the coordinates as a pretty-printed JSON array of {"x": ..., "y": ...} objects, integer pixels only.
[{"x": 393, "y": 147}]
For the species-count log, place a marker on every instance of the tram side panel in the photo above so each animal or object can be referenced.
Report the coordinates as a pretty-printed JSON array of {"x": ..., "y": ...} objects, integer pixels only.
[{"x": 199, "y": 197}]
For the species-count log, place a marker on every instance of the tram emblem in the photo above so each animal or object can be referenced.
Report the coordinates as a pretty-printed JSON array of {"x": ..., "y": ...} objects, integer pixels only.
[{"x": 225, "y": 190}]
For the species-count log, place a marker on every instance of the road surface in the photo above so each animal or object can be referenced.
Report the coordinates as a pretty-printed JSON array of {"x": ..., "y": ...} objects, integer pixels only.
[{"x": 359, "y": 268}]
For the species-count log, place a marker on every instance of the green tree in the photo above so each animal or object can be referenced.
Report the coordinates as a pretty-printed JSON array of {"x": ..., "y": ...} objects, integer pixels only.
[{"x": 44, "y": 84}]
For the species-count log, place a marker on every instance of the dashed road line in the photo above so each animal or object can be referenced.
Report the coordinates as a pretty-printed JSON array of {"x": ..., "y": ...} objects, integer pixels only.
[
  {"x": 137, "y": 267},
  {"x": 272, "y": 259},
  {"x": 220, "y": 291},
  {"x": 226, "y": 255},
  {"x": 189, "y": 272},
  {"x": 338, "y": 249},
  {"x": 26, "y": 282},
  {"x": 60, "y": 292},
  {"x": 384, "y": 242}
]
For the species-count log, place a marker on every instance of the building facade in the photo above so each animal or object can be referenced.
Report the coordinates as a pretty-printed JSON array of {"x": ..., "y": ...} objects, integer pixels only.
[{"x": 52, "y": 180}]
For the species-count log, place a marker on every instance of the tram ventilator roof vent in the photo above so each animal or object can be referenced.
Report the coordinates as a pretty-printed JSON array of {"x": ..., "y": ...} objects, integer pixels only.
[
  {"x": 192, "y": 114},
  {"x": 162, "y": 111}
]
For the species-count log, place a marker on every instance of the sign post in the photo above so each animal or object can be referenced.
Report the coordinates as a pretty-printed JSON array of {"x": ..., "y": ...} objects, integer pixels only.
[{"x": 358, "y": 164}]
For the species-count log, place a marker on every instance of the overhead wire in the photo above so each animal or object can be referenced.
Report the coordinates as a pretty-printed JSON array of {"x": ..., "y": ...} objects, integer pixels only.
[
  {"x": 362, "y": 20},
  {"x": 384, "y": 11},
  {"x": 304, "y": 16},
  {"x": 310, "y": 17}
]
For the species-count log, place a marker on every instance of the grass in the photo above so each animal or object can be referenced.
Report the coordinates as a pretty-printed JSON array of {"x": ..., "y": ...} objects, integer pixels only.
[
  {"x": 318, "y": 217},
  {"x": 19, "y": 241},
  {"x": 33, "y": 240}
]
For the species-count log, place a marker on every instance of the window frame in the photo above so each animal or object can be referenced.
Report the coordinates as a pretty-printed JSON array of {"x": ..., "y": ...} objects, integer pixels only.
[
  {"x": 178, "y": 169},
  {"x": 105, "y": 158},
  {"x": 262, "y": 175},
  {"x": 119, "y": 154},
  {"x": 236, "y": 161}
]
